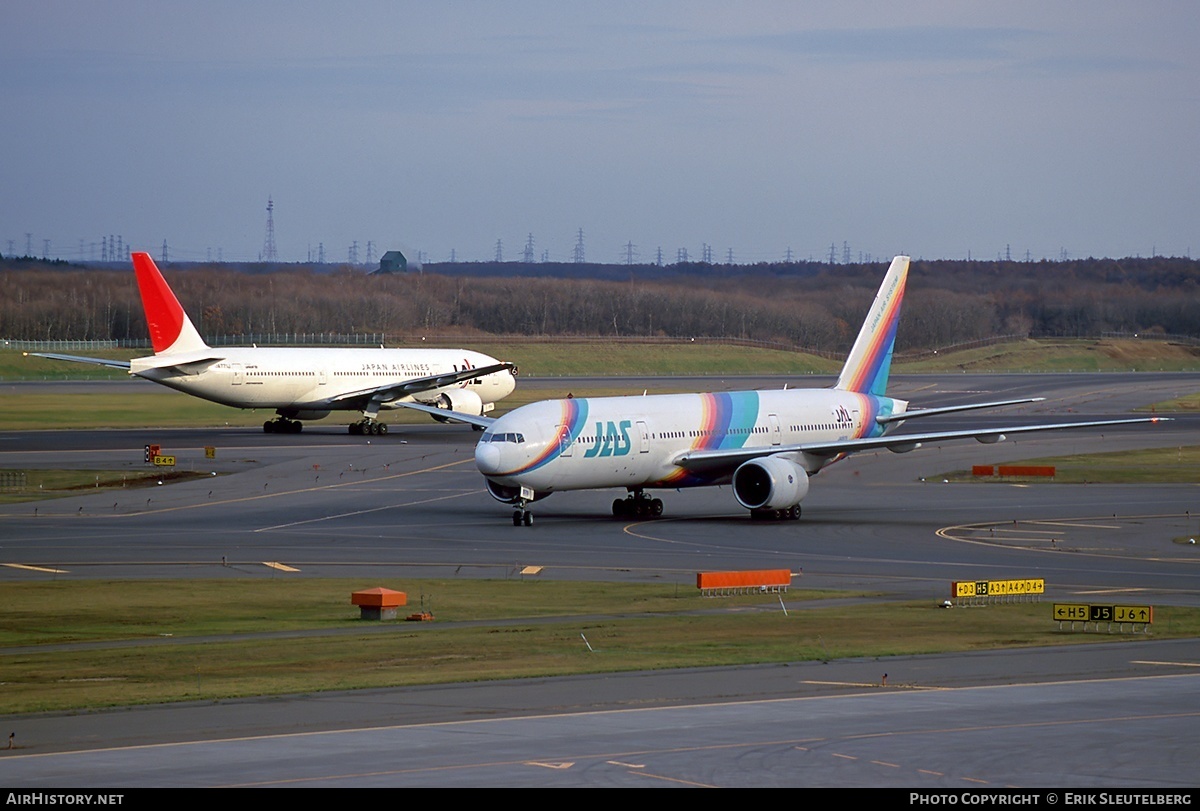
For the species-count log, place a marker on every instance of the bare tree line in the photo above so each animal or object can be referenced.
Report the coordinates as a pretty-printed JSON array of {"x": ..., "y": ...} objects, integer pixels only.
[{"x": 814, "y": 306}]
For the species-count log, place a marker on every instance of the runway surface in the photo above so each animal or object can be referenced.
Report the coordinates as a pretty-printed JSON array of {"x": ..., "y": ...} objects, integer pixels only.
[{"x": 410, "y": 504}]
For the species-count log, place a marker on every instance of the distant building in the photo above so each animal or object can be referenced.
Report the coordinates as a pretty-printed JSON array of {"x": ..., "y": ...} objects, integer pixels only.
[{"x": 393, "y": 262}]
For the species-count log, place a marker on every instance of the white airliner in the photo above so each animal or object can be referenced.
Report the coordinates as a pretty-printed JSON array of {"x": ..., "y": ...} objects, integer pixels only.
[
  {"x": 301, "y": 383},
  {"x": 765, "y": 443}
]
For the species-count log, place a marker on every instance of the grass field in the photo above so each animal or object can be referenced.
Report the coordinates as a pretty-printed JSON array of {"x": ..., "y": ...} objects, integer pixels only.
[
  {"x": 551, "y": 358},
  {"x": 1108, "y": 355},
  {"x": 193, "y": 639}
]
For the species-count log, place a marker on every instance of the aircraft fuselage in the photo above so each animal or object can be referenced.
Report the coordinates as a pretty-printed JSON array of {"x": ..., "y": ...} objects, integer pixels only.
[
  {"x": 634, "y": 442},
  {"x": 305, "y": 379}
]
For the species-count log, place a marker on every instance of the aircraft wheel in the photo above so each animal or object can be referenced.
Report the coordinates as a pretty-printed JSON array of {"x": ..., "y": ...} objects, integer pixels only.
[
  {"x": 656, "y": 507},
  {"x": 382, "y": 428},
  {"x": 618, "y": 508},
  {"x": 268, "y": 427},
  {"x": 527, "y": 518},
  {"x": 295, "y": 427},
  {"x": 516, "y": 518},
  {"x": 354, "y": 428}
]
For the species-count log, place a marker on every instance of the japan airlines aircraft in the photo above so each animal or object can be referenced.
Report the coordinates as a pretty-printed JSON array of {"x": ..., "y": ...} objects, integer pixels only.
[
  {"x": 767, "y": 444},
  {"x": 301, "y": 383}
]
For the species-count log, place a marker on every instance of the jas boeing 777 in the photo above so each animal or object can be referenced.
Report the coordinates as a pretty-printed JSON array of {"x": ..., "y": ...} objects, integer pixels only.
[
  {"x": 766, "y": 444},
  {"x": 302, "y": 383}
]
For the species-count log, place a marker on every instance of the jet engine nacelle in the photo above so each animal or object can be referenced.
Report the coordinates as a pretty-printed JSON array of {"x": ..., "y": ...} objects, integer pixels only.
[
  {"x": 509, "y": 495},
  {"x": 309, "y": 415},
  {"x": 463, "y": 400},
  {"x": 770, "y": 483}
]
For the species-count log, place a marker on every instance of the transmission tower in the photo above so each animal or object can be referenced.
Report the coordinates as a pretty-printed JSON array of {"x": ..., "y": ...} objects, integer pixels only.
[
  {"x": 845, "y": 253},
  {"x": 788, "y": 257},
  {"x": 630, "y": 252},
  {"x": 528, "y": 256},
  {"x": 499, "y": 252},
  {"x": 164, "y": 252},
  {"x": 658, "y": 256},
  {"x": 370, "y": 252},
  {"x": 578, "y": 254},
  {"x": 269, "y": 242},
  {"x": 353, "y": 256},
  {"x": 832, "y": 254}
]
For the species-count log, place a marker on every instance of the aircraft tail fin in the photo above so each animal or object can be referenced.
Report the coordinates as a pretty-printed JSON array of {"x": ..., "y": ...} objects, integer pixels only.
[
  {"x": 870, "y": 361},
  {"x": 171, "y": 331}
]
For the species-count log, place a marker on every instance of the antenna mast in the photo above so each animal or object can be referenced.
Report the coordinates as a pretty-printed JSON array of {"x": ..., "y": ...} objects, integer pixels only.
[{"x": 269, "y": 243}]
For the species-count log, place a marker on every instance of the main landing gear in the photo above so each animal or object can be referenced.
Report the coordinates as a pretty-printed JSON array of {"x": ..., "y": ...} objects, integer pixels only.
[
  {"x": 637, "y": 505},
  {"x": 522, "y": 516},
  {"x": 282, "y": 425},
  {"x": 368, "y": 428}
]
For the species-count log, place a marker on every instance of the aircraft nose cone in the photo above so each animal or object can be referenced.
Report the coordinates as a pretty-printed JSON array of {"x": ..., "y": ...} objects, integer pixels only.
[{"x": 487, "y": 458}]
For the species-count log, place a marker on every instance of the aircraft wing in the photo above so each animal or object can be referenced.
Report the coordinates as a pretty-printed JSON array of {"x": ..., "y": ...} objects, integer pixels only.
[
  {"x": 115, "y": 364},
  {"x": 708, "y": 461},
  {"x": 446, "y": 414},
  {"x": 394, "y": 391}
]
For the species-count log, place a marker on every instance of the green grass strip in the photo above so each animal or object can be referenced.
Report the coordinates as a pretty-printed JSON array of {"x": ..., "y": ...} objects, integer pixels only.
[{"x": 211, "y": 639}]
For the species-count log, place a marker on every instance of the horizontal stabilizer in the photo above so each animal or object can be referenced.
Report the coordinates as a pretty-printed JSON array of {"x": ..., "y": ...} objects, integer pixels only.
[
  {"x": 114, "y": 364},
  {"x": 188, "y": 363}
]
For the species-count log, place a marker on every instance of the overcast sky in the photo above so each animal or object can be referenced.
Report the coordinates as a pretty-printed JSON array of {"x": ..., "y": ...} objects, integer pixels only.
[{"x": 940, "y": 129}]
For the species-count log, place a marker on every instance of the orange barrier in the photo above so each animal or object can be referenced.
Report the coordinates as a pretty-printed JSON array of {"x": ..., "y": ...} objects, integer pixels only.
[
  {"x": 1027, "y": 470},
  {"x": 983, "y": 470},
  {"x": 712, "y": 583}
]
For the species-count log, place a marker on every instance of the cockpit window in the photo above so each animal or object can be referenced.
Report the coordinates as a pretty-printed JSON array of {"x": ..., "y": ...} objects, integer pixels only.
[{"x": 515, "y": 438}]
